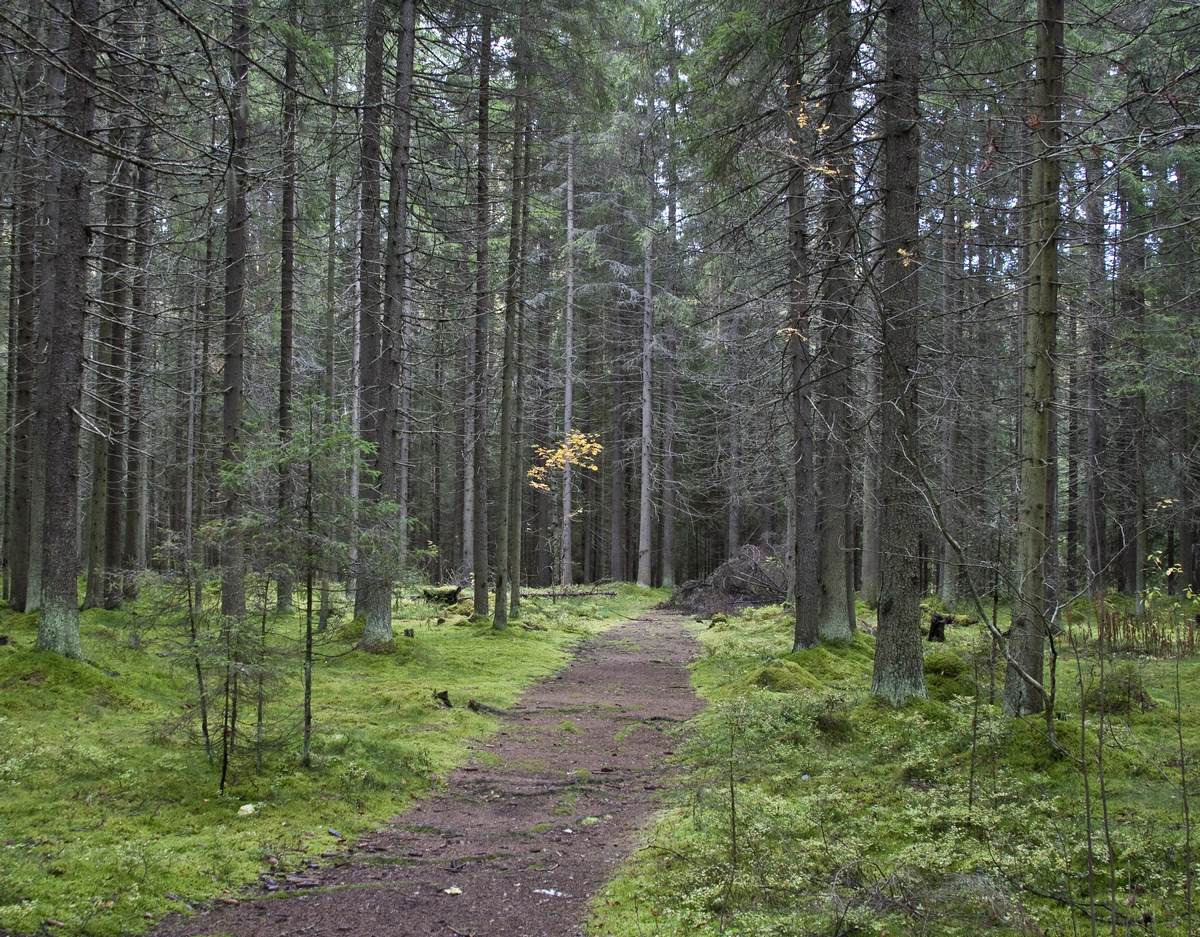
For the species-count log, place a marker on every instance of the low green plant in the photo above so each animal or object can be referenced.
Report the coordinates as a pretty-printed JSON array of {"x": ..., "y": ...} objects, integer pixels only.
[
  {"x": 806, "y": 808},
  {"x": 110, "y": 814}
]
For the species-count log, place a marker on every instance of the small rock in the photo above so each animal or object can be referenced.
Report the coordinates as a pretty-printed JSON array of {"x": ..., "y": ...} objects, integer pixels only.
[
  {"x": 245, "y": 810},
  {"x": 452, "y": 890}
]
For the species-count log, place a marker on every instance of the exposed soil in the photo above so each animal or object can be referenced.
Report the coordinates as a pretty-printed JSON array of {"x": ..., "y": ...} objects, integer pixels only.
[{"x": 528, "y": 830}]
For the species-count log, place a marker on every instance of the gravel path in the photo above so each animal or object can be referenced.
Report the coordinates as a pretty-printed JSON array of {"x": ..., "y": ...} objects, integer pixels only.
[{"x": 524, "y": 834}]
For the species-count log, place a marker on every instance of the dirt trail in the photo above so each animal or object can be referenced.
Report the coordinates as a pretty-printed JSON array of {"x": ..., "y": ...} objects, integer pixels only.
[{"x": 528, "y": 830}]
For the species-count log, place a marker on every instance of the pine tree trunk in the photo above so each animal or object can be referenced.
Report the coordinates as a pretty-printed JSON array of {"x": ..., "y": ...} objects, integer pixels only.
[
  {"x": 21, "y": 358},
  {"x": 62, "y": 369},
  {"x": 233, "y": 590},
  {"x": 1027, "y": 637},
  {"x": 566, "y": 553},
  {"x": 835, "y": 613},
  {"x": 1095, "y": 509},
  {"x": 951, "y": 342},
  {"x": 287, "y": 291},
  {"x": 645, "y": 479},
  {"x": 508, "y": 375},
  {"x": 141, "y": 321},
  {"x": 616, "y": 449},
  {"x": 516, "y": 518},
  {"x": 115, "y": 301},
  {"x": 375, "y": 582},
  {"x": 369, "y": 338},
  {"x": 872, "y": 471},
  {"x": 798, "y": 375},
  {"x": 483, "y": 318},
  {"x": 898, "y": 674}
]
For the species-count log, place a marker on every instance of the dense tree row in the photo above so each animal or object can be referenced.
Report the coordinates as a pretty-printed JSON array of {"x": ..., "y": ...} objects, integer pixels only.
[{"x": 550, "y": 293}]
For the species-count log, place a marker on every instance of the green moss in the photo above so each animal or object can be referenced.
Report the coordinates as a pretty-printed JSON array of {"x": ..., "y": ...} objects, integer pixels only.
[
  {"x": 108, "y": 806},
  {"x": 947, "y": 674},
  {"x": 945, "y": 817}
]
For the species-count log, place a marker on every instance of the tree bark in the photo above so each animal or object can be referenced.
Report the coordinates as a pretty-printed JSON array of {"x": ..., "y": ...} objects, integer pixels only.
[
  {"x": 799, "y": 362},
  {"x": 508, "y": 375},
  {"x": 951, "y": 341},
  {"x": 483, "y": 318},
  {"x": 566, "y": 553},
  {"x": 1095, "y": 509},
  {"x": 233, "y": 589},
  {"x": 141, "y": 321},
  {"x": 646, "y": 480},
  {"x": 1027, "y": 637},
  {"x": 62, "y": 371},
  {"x": 284, "y": 584},
  {"x": 835, "y": 613},
  {"x": 368, "y": 339},
  {"x": 898, "y": 675},
  {"x": 375, "y": 582},
  {"x": 22, "y": 357},
  {"x": 872, "y": 469}
]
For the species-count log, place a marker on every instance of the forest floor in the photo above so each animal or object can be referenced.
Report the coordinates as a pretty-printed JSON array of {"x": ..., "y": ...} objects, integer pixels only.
[
  {"x": 110, "y": 816},
  {"x": 807, "y": 808},
  {"x": 522, "y": 836}
]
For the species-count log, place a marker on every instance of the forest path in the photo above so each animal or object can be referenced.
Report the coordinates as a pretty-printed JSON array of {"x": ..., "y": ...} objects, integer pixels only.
[{"x": 528, "y": 830}]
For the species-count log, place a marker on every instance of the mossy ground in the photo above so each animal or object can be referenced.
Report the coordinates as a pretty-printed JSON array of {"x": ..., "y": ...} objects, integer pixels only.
[
  {"x": 806, "y": 808},
  {"x": 109, "y": 811}
]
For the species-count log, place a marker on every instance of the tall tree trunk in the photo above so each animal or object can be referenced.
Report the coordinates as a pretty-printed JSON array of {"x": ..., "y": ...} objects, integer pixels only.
[
  {"x": 1074, "y": 402},
  {"x": 329, "y": 316},
  {"x": 669, "y": 494},
  {"x": 60, "y": 380},
  {"x": 1135, "y": 530},
  {"x": 508, "y": 375},
  {"x": 134, "y": 549},
  {"x": 898, "y": 674},
  {"x": 872, "y": 468},
  {"x": 616, "y": 449},
  {"x": 1027, "y": 637},
  {"x": 405, "y": 420},
  {"x": 1095, "y": 509},
  {"x": 22, "y": 357},
  {"x": 103, "y": 531},
  {"x": 233, "y": 589},
  {"x": 114, "y": 305},
  {"x": 370, "y": 299},
  {"x": 799, "y": 363},
  {"x": 466, "y": 491},
  {"x": 284, "y": 585},
  {"x": 835, "y": 621},
  {"x": 646, "y": 480},
  {"x": 667, "y": 363},
  {"x": 483, "y": 318},
  {"x": 375, "y": 583},
  {"x": 951, "y": 341},
  {"x": 49, "y": 259},
  {"x": 566, "y": 553},
  {"x": 516, "y": 519},
  {"x": 731, "y": 326}
]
